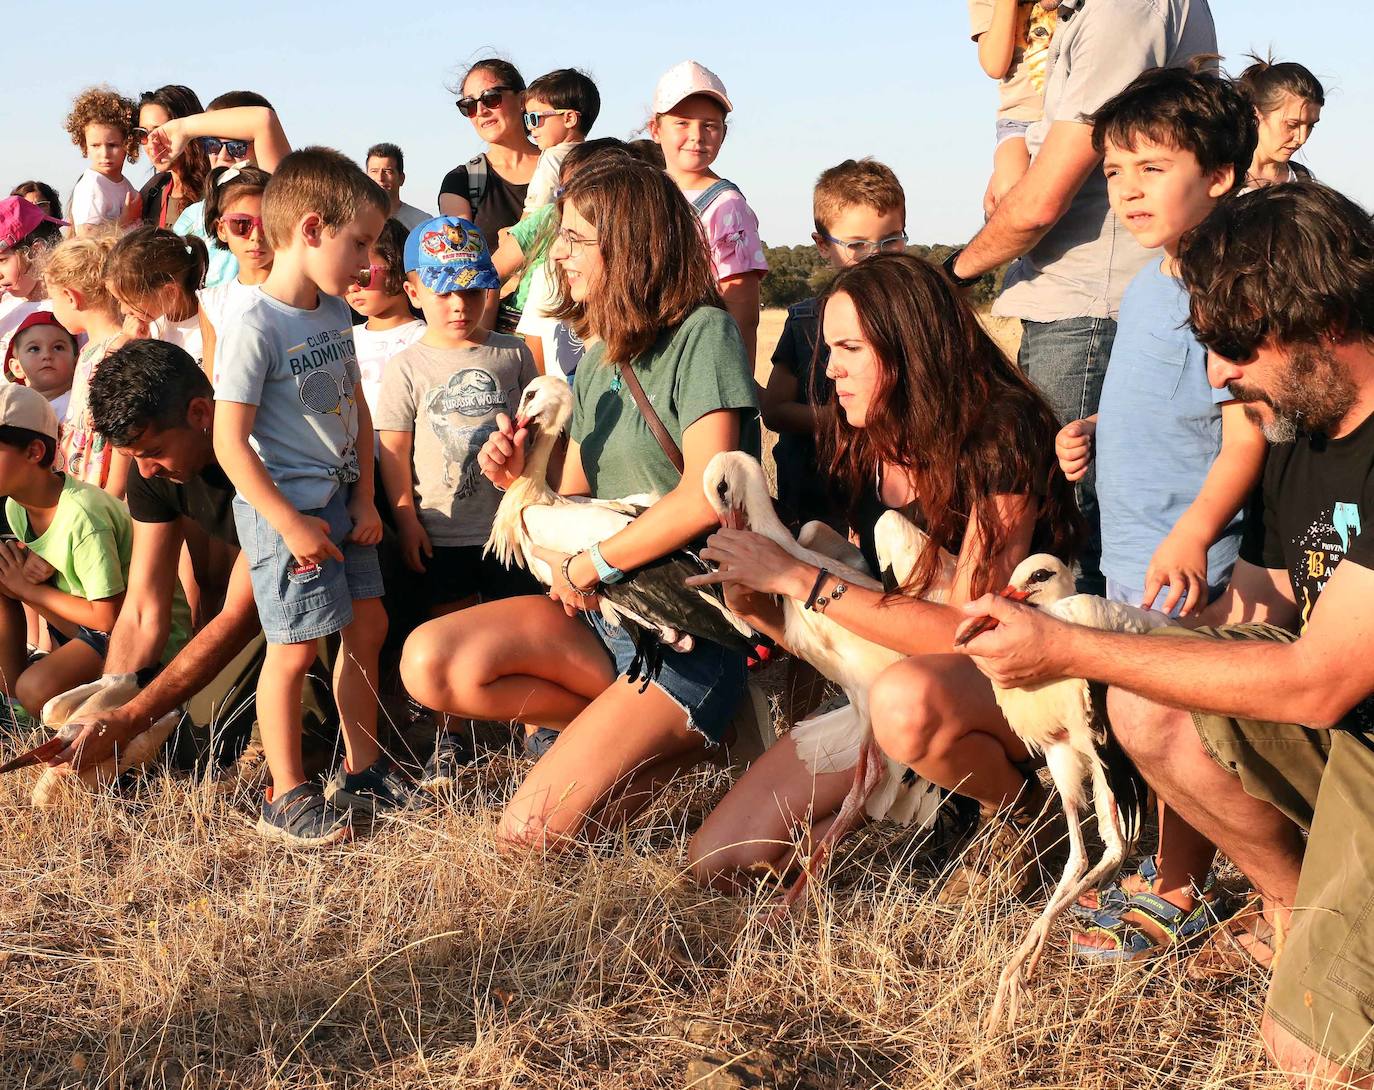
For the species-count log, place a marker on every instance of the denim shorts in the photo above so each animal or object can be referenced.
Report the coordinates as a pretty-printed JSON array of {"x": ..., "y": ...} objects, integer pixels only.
[
  {"x": 708, "y": 682},
  {"x": 298, "y": 604},
  {"x": 99, "y": 642},
  {"x": 1008, "y": 129}
]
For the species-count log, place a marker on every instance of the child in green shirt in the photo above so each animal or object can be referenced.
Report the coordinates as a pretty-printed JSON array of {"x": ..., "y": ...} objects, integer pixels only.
[{"x": 66, "y": 557}]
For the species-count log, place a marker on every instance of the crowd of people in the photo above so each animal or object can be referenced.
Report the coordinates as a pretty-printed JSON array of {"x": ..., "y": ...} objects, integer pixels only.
[{"x": 263, "y": 401}]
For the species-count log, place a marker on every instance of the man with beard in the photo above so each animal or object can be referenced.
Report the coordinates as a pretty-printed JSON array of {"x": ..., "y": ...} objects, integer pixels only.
[{"x": 1279, "y": 738}]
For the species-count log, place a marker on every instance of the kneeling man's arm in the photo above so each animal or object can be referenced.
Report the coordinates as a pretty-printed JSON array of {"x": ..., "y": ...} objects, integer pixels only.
[
  {"x": 145, "y": 618},
  {"x": 1314, "y": 681}
]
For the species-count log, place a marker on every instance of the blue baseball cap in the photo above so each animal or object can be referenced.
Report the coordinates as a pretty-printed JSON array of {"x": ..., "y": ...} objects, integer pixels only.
[{"x": 450, "y": 254}]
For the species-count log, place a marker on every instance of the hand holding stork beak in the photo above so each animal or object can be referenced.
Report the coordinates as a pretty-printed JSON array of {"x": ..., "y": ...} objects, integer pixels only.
[
  {"x": 1013, "y": 644},
  {"x": 502, "y": 457}
]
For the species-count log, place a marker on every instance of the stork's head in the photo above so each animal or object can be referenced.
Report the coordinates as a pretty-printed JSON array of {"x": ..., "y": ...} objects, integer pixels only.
[
  {"x": 734, "y": 484},
  {"x": 547, "y": 404},
  {"x": 1040, "y": 580}
]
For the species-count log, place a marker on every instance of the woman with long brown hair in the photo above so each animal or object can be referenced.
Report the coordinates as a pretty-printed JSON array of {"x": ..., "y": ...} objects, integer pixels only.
[
  {"x": 926, "y": 416},
  {"x": 179, "y": 181},
  {"x": 639, "y": 290}
]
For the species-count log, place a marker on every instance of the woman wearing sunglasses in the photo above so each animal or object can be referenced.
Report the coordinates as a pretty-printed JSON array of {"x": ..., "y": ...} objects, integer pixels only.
[
  {"x": 178, "y": 181},
  {"x": 238, "y": 128},
  {"x": 489, "y": 189}
]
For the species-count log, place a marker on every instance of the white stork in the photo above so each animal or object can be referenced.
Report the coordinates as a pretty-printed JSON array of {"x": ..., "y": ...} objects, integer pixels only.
[
  {"x": 653, "y": 603},
  {"x": 841, "y": 739},
  {"x": 65, "y": 714},
  {"x": 1057, "y": 718}
]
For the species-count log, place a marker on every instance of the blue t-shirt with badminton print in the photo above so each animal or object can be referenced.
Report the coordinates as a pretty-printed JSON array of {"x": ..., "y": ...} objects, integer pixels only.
[{"x": 300, "y": 368}]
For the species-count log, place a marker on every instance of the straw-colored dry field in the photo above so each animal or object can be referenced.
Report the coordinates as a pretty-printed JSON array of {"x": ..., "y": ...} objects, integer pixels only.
[{"x": 151, "y": 940}]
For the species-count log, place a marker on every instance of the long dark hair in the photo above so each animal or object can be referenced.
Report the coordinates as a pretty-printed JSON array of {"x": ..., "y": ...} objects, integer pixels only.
[
  {"x": 192, "y": 165},
  {"x": 952, "y": 410},
  {"x": 657, "y": 269}
]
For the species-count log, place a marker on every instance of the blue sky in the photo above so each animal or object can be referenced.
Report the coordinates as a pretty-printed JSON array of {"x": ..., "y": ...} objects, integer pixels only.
[{"x": 812, "y": 83}]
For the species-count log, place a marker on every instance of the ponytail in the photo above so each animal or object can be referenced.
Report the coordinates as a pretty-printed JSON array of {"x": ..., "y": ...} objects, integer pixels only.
[
  {"x": 148, "y": 258},
  {"x": 1266, "y": 81}
]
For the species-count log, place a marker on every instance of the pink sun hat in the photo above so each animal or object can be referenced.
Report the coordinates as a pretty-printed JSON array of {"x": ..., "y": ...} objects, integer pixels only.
[
  {"x": 685, "y": 79},
  {"x": 18, "y": 218}
]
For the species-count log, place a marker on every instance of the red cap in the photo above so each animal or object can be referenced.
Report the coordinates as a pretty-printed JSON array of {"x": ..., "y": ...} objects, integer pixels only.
[{"x": 38, "y": 317}]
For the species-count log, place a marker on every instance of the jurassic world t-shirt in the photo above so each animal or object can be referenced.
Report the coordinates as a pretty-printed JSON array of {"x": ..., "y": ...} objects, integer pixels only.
[
  {"x": 1318, "y": 510},
  {"x": 449, "y": 398},
  {"x": 698, "y": 368}
]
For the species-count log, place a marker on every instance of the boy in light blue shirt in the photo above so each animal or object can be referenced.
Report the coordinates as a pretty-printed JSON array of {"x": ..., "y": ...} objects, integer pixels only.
[{"x": 1176, "y": 458}]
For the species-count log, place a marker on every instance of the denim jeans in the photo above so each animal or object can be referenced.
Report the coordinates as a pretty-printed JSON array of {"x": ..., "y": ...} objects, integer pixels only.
[{"x": 1067, "y": 361}]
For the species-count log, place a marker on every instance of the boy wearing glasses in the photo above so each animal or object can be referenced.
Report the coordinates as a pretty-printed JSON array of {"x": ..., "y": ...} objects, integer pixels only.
[
  {"x": 860, "y": 210},
  {"x": 560, "y": 109}
]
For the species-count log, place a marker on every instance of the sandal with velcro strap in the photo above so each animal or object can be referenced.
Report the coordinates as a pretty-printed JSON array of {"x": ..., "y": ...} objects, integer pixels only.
[{"x": 1146, "y": 926}]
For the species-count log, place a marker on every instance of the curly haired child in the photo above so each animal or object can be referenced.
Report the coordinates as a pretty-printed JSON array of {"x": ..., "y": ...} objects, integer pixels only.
[{"x": 101, "y": 124}]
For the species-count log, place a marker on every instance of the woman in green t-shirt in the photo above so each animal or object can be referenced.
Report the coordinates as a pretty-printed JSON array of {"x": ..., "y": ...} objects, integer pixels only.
[
  {"x": 635, "y": 282},
  {"x": 928, "y": 417}
]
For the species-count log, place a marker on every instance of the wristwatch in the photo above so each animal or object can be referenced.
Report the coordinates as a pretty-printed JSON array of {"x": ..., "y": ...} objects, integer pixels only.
[
  {"x": 606, "y": 572},
  {"x": 948, "y": 266}
]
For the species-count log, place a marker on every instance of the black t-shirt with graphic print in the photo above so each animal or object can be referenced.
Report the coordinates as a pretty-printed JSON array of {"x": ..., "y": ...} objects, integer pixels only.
[{"x": 1317, "y": 510}]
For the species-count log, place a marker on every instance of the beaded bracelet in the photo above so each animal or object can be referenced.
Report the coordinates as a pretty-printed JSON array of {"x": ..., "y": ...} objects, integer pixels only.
[{"x": 567, "y": 578}]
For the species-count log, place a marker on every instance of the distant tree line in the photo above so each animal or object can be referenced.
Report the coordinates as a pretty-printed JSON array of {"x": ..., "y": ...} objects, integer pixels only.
[{"x": 799, "y": 272}]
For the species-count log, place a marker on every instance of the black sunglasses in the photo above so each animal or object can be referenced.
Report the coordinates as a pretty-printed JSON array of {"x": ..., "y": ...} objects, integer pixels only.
[{"x": 490, "y": 98}]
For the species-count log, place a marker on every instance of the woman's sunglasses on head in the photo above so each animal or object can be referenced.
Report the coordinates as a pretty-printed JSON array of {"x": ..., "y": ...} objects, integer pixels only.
[{"x": 490, "y": 98}]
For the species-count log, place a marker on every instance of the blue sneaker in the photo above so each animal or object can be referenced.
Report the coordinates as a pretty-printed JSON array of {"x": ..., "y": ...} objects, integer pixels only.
[
  {"x": 540, "y": 742},
  {"x": 377, "y": 789},
  {"x": 303, "y": 817}
]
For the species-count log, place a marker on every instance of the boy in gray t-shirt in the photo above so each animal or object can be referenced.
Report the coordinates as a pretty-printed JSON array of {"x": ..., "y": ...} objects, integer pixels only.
[{"x": 439, "y": 402}]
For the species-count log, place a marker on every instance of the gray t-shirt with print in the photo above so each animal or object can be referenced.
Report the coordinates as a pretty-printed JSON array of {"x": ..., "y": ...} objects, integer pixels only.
[
  {"x": 449, "y": 399},
  {"x": 300, "y": 368},
  {"x": 1080, "y": 269}
]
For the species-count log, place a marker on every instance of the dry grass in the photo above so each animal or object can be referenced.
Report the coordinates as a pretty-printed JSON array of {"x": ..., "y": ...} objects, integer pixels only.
[{"x": 152, "y": 940}]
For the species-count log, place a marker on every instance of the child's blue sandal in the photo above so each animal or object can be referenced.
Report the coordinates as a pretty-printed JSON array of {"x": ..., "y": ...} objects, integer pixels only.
[{"x": 1170, "y": 927}]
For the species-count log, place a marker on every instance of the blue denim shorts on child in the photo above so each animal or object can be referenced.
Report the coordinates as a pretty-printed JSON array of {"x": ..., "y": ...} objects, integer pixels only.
[
  {"x": 298, "y": 604},
  {"x": 708, "y": 682}
]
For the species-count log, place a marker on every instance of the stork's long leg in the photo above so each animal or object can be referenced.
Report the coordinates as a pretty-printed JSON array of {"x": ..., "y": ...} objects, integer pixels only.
[
  {"x": 1066, "y": 771},
  {"x": 1113, "y": 839},
  {"x": 868, "y": 773}
]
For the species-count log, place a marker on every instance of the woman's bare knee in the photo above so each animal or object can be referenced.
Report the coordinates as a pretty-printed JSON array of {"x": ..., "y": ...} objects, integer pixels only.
[{"x": 902, "y": 708}]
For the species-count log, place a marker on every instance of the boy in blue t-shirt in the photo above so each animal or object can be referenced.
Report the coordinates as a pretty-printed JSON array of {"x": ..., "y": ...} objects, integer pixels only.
[
  {"x": 290, "y": 419},
  {"x": 1176, "y": 458}
]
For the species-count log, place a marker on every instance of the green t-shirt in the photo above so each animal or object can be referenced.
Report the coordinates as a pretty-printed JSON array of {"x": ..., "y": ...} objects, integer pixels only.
[
  {"x": 528, "y": 235},
  {"x": 90, "y": 543},
  {"x": 695, "y": 369}
]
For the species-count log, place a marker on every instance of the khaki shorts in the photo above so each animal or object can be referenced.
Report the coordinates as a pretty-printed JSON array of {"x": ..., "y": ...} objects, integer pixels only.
[{"x": 1322, "y": 990}]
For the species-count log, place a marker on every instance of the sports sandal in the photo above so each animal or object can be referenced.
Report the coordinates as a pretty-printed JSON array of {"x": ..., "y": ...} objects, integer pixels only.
[
  {"x": 303, "y": 817},
  {"x": 1244, "y": 944},
  {"x": 1113, "y": 896},
  {"x": 1157, "y": 927}
]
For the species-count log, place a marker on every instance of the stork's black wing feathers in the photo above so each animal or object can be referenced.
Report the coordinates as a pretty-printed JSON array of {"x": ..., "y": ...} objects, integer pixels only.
[
  {"x": 659, "y": 592},
  {"x": 1125, "y": 780},
  {"x": 890, "y": 584}
]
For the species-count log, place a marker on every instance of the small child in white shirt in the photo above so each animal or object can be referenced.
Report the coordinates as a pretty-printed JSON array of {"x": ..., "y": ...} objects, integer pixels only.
[
  {"x": 560, "y": 109},
  {"x": 101, "y": 124}
]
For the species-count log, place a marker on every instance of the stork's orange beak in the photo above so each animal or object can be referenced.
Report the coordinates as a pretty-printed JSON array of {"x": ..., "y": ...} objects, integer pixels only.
[
  {"x": 732, "y": 518},
  {"x": 521, "y": 422},
  {"x": 987, "y": 624},
  {"x": 38, "y": 755}
]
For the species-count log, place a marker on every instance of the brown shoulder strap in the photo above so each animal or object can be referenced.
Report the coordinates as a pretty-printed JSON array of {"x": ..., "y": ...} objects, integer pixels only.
[{"x": 656, "y": 425}]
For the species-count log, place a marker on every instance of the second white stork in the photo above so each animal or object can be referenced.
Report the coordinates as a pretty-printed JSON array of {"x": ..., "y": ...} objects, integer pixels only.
[
  {"x": 1057, "y": 718},
  {"x": 842, "y": 739}
]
